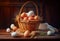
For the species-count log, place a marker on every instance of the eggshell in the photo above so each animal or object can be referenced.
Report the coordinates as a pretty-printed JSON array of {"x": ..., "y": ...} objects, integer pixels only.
[
  {"x": 14, "y": 28},
  {"x": 12, "y": 25},
  {"x": 19, "y": 33},
  {"x": 8, "y": 30},
  {"x": 26, "y": 33},
  {"x": 36, "y": 17},
  {"x": 13, "y": 34},
  {"x": 30, "y": 13},
  {"x": 51, "y": 28},
  {"x": 25, "y": 18},
  {"x": 49, "y": 32},
  {"x": 31, "y": 18},
  {"x": 23, "y": 15}
]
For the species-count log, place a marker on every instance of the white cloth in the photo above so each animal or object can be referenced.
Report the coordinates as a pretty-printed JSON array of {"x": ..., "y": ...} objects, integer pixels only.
[
  {"x": 51, "y": 28},
  {"x": 47, "y": 26}
]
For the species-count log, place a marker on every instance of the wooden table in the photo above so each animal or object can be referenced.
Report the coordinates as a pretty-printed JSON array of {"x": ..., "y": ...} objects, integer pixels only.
[{"x": 5, "y": 35}]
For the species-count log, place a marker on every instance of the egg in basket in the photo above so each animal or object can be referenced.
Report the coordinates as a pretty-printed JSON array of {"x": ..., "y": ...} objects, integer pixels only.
[{"x": 28, "y": 20}]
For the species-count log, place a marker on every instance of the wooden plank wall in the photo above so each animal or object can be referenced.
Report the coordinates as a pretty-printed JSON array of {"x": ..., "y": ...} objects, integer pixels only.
[{"x": 8, "y": 9}]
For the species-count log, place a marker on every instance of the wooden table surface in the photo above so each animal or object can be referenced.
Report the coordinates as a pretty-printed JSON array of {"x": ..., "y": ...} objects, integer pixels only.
[{"x": 5, "y": 35}]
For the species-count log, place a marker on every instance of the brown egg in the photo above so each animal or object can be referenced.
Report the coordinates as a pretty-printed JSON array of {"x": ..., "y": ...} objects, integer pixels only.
[
  {"x": 36, "y": 17},
  {"x": 26, "y": 33},
  {"x": 25, "y": 18},
  {"x": 14, "y": 28},
  {"x": 31, "y": 18},
  {"x": 23, "y": 15}
]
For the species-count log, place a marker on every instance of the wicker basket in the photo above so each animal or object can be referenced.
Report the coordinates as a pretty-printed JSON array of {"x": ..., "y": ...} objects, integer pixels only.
[{"x": 32, "y": 25}]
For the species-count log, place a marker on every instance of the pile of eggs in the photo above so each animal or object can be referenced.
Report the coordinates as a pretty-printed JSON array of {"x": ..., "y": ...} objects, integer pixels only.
[
  {"x": 29, "y": 16},
  {"x": 13, "y": 31},
  {"x": 13, "y": 28},
  {"x": 25, "y": 17}
]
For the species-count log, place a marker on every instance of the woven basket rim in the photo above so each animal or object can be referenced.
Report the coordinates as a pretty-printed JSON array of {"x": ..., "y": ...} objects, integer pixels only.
[{"x": 32, "y": 21}]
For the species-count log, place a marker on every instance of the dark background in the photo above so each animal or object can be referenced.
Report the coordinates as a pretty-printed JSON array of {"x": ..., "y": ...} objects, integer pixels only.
[
  {"x": 47, "y": 8},
  {"x": 53, "y": 11}
]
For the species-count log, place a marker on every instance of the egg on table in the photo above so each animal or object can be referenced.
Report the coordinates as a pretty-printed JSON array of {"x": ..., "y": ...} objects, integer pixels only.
[
  {"x": 51, "y": 28},
  {"x": 13, "y": 27},
  {"x": 26, "y": 33},
  {"x": 49, "y": 33},
  {"x": 8, "y": 30},
  {"x": 13, "y": 34}
]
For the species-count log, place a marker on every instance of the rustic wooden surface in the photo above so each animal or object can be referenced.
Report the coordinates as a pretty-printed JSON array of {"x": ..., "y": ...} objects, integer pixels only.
[{"x": 5, "y": 35}]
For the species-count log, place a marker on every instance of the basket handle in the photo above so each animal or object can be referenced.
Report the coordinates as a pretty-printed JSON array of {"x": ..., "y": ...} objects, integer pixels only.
[
  {"x": 27, "y": 3},
  {"x": 23, "y": 7}
]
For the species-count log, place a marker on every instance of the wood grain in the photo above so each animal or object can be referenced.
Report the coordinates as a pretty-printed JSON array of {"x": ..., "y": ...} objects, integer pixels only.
[{"x": 5, "y": 35}]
